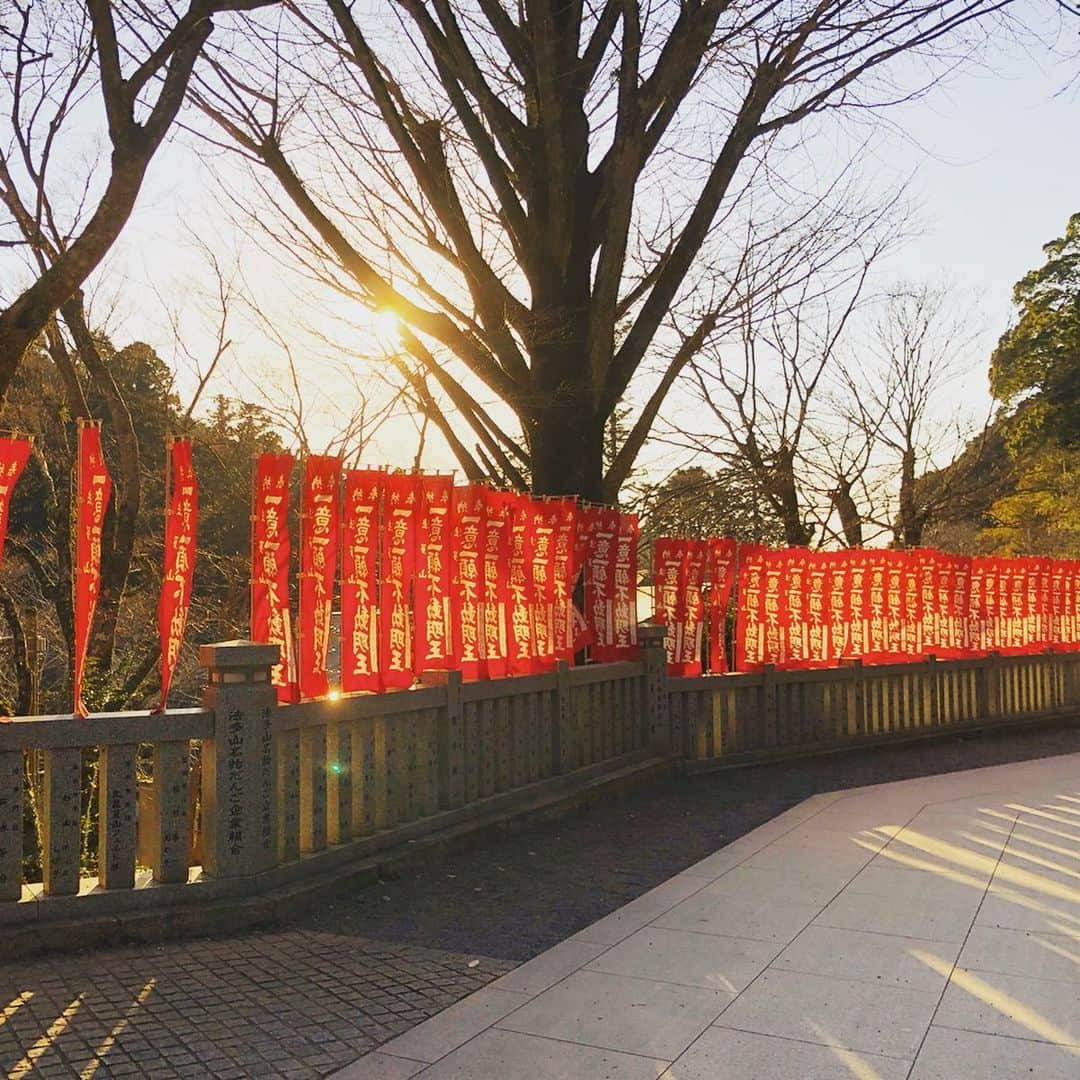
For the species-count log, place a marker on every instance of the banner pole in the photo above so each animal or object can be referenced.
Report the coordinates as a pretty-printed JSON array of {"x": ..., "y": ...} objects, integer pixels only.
[{"x": 251, "y": 545}]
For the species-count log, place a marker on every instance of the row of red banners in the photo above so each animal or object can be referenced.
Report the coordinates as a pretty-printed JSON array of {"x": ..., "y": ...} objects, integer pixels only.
[
  {"x": 93, "y": 489},
  {"x": 797, "y": 608},
  {"x": 805, "y": 609},
  {"x": 433, "y": 576}
]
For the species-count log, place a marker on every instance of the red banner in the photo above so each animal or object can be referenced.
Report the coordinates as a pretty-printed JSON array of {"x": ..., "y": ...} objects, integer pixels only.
[
  {"x": 13, "y": 457},
  {"x": 93, "y": 488},
  {"x": 566, "y": 567},
  {"x": 818, "y": 576},
  {"x": 398, "y": 569},
  {"x": 722, "y": 554},
  {"x": 669, "y": 569},
  {"x": 750, "y": 609},
  {"x": 795, "y": 652},
  {"x": 319, "y": 531},
  {"x": 602, "y": 527},
  {"x": 181, "y": 529},
  {"x": 521, "y": 656},
  {"x": 624, "y": 593},
  {"x": 468, "y": 516},
  {"x": 542, "y": 534},
  {"x": 688, "y": 657},
  {"x": 494, "y": 609},
  {"x": 434, "y": 648},
  {"x": 270, "y": 617},
  {"x": 359, "y": 584}
]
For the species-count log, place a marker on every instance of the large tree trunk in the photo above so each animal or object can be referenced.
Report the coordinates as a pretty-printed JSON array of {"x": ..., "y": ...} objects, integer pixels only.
[
  {"x": 567, "y": 452},
  {"x": 850, "y": 518},
  {"x": 910, "y": 526},
  {"x": 784, "y": 495}
]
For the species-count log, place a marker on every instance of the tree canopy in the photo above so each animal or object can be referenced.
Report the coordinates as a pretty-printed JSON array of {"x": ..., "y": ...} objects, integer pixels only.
[
  {"x": 1035, "y": 369},
  {"x": 557, "y": 197}
]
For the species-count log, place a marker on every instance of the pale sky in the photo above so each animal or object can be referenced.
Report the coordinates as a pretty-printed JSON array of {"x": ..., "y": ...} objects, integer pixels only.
[{"x": 996, "y": 164}]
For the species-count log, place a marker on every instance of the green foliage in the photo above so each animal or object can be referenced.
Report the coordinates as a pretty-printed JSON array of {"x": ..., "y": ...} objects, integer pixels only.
[
  {"x": 1035, "y": 369},
  {"x": 694, "y": 502},
  {"x": 1035, "y": 372},
  {"x": 1041, "y": 515},
  {"x": 226, "y": 436}
]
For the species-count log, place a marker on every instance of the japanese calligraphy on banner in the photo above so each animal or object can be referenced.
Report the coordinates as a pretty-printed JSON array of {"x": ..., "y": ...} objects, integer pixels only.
[
  {"x": 359, "y": 584},
  {"x": 679, "y": 568},
  {"x": 624, "y": 593},
  {"x": 467, "y": 517},
  {"x": 750, "y": 612},
  {"x": 13, "y": 457},
  {"x": 495, "y": 605},
  {"x": 543, "y": 527},
  {"x": 688, "y": 657},
  {"x": 818, "y": 641},
  {"x": 270, "y": 551},
  {"x": 722, "y": 553},
  {"x": 181, "y": 530},
  {"x": 669, "y": 569},
  {"x": 319, "y": 530},
  {"x": 93, "y": 486},
  {"x": 522, "y": 653},
  {"x": 811, "y": 609},
  {"x": 794, "y": 643},
  {"x": 398, "y": 570},
  {"x": 565, "y": 570},
  {"x": 434, "y": 649},
  {"x": 602, "y": 528}
]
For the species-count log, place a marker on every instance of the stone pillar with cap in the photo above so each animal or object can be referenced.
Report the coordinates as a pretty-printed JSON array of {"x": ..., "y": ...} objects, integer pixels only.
[
  {"x": 657, "y": 707},
  {"x": 239, "y": 766}
]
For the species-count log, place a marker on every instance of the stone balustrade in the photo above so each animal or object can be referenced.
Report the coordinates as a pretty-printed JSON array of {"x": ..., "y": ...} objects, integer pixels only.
[{"x": 244, "y": 798}]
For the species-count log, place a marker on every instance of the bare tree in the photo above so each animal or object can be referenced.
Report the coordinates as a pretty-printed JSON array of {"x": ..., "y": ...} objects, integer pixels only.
[
  {"x": 930, "y": 448},
  {"x": 55, "y": 59},
  {"x": 541, "y": 190},
  {"x": 757, "y": 391}
]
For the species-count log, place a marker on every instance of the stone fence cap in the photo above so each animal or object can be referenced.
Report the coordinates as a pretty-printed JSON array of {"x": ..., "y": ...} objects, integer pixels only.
[
  {"x": 651, "y": 632},
  {"x": 239, "y": 654}
]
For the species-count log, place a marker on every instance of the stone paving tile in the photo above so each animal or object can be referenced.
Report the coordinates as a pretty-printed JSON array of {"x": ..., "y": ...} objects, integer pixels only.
[
  {"x": 295, "y": 1004},
  {"x": 368, "y": 965}
]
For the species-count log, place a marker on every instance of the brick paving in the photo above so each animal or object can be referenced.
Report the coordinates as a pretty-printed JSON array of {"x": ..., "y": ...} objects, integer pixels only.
[
  {"x": 368, "y": 965},
  {"x": 300, "y": 1003}
]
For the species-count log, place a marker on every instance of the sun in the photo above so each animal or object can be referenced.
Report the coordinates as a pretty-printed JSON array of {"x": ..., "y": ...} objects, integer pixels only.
[{"x": 386, "y": 325}]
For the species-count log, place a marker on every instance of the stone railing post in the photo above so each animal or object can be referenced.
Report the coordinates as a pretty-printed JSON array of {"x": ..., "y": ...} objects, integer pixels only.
[
  {"x": 657, "y": 705},
  {"x": 239, "y": 764}
]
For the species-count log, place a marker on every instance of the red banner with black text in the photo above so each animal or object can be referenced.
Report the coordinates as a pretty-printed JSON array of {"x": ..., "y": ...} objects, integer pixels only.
[
  {"x": 434, "y": 646},
  {"x": 93, "y": 487},
  {"x": 181, "y": 532},
  {"x": 359, "y": 582},
  {"x": 400, "y": 514},
  {"x": 468, "y": 515},
  {"x": 271, "y": 621},
  {"x": 722, "y": 569},
  {"x": 320, "y": 525}
]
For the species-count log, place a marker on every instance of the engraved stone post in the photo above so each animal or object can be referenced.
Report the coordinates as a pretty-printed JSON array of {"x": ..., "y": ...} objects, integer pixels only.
[
  {"x": 239, "y": 763},
  {"x": 116, "y": 817},
  {"x": 11, "y": 824},
  {"x": 562, "y": 731},
  {"x": 60, "y": 857},
  {"x": 288, "y": 768},
  {"x": 172, "y": 826},
  {"x": 661, "y": 736},
  {"x": 450, "y": 736},
  {"x": 339, "y": 774}
]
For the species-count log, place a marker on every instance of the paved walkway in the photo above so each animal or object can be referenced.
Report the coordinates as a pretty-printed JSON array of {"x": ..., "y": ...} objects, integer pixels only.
[
  {"x": 926, "y": 929},
  {"x": 369, "y": 965}
]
